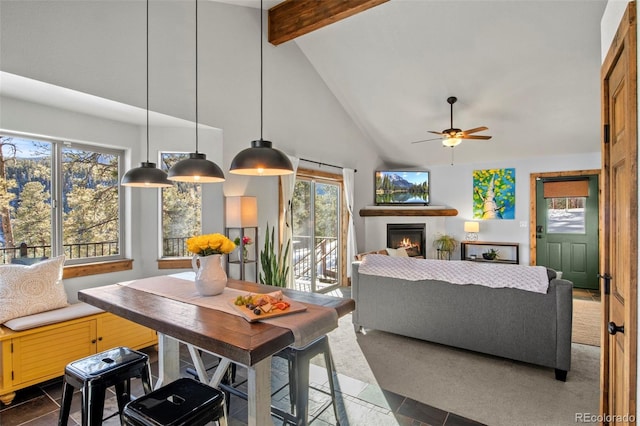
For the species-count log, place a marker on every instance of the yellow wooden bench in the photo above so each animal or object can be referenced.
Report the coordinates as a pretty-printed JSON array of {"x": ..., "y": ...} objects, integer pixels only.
[{"x": 33, "y": 355}]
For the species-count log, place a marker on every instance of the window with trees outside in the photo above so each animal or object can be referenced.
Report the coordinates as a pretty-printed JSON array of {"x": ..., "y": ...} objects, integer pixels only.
[
  {"x": 181, "y": 211},
  {"x": 59, "y": 198},
  {"x": 319, "y": 227}
]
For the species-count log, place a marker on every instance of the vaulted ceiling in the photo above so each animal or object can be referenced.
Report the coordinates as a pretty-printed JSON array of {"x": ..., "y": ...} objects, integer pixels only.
[{"x": 528, "y": 70}]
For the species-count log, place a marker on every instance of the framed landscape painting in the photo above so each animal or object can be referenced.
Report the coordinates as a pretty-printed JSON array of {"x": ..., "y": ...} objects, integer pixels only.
[{"x": 494, "y": 194}]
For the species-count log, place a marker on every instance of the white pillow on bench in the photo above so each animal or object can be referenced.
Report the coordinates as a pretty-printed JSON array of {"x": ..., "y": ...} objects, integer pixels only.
[{"x": 26, "y": 290}]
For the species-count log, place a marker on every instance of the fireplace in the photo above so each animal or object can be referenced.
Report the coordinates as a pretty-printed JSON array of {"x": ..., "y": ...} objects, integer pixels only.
[{"x": 410, "y": 236}]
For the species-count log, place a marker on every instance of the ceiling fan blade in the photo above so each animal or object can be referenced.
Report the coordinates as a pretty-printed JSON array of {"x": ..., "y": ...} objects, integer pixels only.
[
  {"x": 484, "y": 138},
  {"x": 436, "y": 133},
  {"x": 427, "y": 140},
  {"x": 475, "y": 130}
]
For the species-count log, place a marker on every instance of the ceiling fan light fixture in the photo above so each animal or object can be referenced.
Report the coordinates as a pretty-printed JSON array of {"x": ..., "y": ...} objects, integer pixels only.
[
  {"x": 261, "y": 160},
  {"x": 451, "y": 141}
]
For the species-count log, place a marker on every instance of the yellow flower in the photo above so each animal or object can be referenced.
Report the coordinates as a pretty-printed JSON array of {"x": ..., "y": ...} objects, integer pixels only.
[{"x": 209, "y": 244}]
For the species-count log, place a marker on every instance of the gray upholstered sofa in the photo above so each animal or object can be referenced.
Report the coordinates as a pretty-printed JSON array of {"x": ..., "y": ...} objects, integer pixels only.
[{"x": 506, "y": 322}]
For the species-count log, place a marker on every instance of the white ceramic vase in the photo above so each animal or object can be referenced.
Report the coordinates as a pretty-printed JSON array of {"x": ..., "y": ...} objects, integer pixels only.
[{"x": 211, "y": 279}]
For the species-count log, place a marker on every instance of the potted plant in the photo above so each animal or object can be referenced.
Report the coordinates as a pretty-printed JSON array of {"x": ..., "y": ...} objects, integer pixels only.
[
  {"x": 445, "y": 245},
  {"x": 491, "y": 254},
  {"x": 275, "y": 270}
]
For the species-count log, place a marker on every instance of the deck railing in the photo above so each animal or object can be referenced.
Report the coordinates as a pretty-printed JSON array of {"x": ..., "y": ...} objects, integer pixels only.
[
  {"x": 172, "y": 247},
  {"x": 326, "y": 255},
  {"x": 71, "y": 251}
]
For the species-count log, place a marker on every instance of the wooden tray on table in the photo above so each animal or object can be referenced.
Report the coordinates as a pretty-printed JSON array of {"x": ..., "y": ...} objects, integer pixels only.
[{"x": 251, "y": 317}]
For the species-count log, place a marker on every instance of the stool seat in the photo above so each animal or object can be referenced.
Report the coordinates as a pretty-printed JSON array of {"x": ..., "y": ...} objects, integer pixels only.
[
  {"x": 95, "y": 373},
  {"x": 184, "y": 402}
]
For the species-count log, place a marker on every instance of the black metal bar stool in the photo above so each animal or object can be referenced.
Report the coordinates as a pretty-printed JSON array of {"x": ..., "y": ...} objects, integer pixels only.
[
  {"x": 184, "y": 402},
  {"x": 95, "y": 373},
  {"x": 299, "y": 360}
]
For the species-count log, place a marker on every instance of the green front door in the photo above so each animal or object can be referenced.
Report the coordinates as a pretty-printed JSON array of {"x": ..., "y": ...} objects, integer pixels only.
[{"x": 567, "y": 233}]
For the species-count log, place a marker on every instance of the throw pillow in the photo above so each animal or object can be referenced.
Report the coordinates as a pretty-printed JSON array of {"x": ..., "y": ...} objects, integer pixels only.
[
  {"x": 26, "y": 290},
  {"x": 401, "y": 252}
]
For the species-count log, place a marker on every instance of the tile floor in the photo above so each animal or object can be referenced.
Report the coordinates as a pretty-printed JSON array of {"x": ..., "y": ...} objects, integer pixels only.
[
  {"x": 361, "y": 403},
  {"x": 584, "y": 294}
]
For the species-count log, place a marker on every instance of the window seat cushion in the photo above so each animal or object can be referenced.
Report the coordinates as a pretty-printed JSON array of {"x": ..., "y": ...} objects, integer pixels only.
[{"x": 76, "y": 310}]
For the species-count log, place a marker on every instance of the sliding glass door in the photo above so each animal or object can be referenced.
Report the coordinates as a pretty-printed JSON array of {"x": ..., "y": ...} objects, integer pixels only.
[{"x": 316, "y": 208}]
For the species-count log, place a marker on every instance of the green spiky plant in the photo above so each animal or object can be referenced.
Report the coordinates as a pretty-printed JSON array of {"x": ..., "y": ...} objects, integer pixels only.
[{"x": 274, "y": 268}]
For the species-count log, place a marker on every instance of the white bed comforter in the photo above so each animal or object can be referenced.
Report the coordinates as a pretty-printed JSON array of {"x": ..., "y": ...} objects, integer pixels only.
[{"x": 522, "y": 277}]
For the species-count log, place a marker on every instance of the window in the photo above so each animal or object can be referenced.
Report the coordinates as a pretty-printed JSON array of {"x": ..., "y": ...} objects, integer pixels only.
[
  {"x": 318, "y": 226},
  {"x": 59, "y": 198},
  {"x": 566, "y": 215},
  {"x": 181, "y": 211}
]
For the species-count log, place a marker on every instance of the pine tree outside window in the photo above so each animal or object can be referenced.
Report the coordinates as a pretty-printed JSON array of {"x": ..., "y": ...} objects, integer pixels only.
[
  {"x": 59, "y": 198},
  {"x": 181, "y": 211}
]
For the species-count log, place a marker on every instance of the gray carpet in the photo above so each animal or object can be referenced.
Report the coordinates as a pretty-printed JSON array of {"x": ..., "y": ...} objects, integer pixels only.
[{"x": 487, "y": 389}]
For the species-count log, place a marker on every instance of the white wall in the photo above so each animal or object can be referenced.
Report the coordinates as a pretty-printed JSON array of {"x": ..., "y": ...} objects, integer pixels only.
[
  {"x": 98, "y": 48},
  {"x": 142, "y": 218},
  {"x": 452, "y": 186}
]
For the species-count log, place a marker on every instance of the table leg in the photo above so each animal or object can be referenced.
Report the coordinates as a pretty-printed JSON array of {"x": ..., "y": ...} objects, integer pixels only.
[
  {"x": 259, "y": 393},
  {"x": 168, "y": 360}
]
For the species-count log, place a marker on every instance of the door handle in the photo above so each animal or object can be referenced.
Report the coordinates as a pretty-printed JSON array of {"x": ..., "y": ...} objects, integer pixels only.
[
  {"x": 539, "y": 229},
  {"x": 612, "y": 328},
  {"x": 607, "y": 282}
]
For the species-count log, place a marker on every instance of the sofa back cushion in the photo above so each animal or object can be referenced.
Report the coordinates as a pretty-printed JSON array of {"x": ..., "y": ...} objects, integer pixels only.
[{"x": 26, "y": 290}]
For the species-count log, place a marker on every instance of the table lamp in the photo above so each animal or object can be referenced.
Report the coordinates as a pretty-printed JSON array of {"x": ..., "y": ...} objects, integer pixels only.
[{"x": 472, "y": 229}]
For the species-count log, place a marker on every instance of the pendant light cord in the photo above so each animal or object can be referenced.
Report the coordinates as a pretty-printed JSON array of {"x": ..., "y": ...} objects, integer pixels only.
[
  {"x": 147, "y": 81},
  {"x": 261, "y": 76},
  {"x": 196, "y": 76}
]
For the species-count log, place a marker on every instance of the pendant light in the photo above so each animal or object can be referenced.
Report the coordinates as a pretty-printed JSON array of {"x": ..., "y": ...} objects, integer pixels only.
[
  {"x": 261, "y": 159},
  {"x": 196, "y": 168},
  {"x": 147, "y": 175}
]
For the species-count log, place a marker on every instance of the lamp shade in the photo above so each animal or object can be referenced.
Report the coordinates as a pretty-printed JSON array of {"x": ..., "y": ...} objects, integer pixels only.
[
  {"x": 451, "y": 141},
  {"x": 196, "y": 169},
  {"x": 471, "y": 227},
  {"x": 146, "y": 176},
  {"x": 261, "y": 160},
  {"x": 241, "y": 212}
]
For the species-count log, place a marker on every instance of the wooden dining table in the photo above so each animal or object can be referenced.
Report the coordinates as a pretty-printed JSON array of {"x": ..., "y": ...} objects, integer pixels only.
[{"x": 230, "y": 337}]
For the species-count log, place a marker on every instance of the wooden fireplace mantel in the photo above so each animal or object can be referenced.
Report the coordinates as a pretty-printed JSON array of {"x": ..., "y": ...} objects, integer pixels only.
[{"x": 407, "y": 211}]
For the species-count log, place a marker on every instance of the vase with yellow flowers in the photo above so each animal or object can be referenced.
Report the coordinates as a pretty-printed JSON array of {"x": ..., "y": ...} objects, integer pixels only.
[{"x": 211, "y": 279}]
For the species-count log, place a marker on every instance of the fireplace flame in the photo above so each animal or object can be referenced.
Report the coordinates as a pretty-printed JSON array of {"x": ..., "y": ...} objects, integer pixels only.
[{"x": 407, "y": 243}]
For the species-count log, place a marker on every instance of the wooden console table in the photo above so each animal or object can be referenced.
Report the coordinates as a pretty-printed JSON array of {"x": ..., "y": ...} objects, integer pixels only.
[{"x": 512, "y": 255}]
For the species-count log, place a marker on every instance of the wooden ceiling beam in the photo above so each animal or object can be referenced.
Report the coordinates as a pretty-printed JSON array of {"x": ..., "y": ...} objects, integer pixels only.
[{"x": 293, "y": 18}]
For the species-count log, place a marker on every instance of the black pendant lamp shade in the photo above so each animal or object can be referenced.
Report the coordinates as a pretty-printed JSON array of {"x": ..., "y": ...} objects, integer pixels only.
[
  {"x": 261, "y": 159},
  {"x": 196, "y": 168},
  {"x": 147, "y": 175}
]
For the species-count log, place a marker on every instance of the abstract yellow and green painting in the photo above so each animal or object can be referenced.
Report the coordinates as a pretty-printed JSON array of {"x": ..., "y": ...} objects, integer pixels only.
[{"x": 494, "y": 194}]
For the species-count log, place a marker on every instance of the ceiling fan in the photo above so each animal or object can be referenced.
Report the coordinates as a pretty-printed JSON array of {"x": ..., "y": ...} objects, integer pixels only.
[{"x": 453, "y": 136}]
